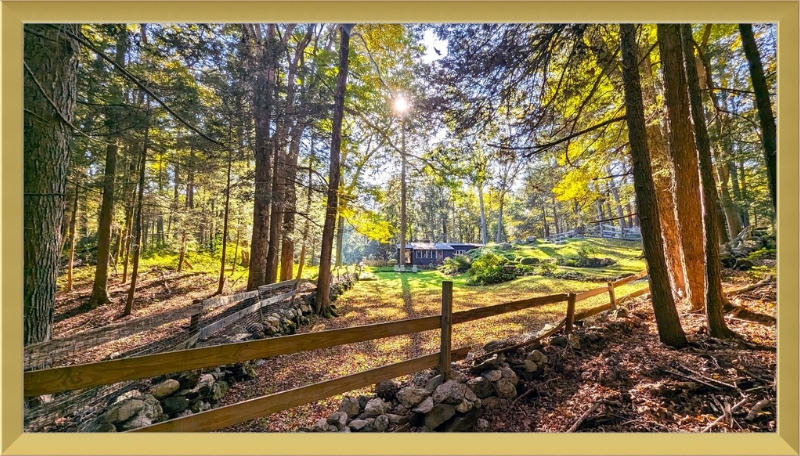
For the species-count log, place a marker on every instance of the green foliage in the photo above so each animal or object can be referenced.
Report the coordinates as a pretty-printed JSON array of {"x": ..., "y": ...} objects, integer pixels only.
[
  {"x": 761, "y": 254},
  {"x": 489, "y": 269},
  {"x": 529, "y": 260},
  {"x": 458, "y": 264},
  {"x": 586, "y": 251},
  {"x": 547, "y": 267}
]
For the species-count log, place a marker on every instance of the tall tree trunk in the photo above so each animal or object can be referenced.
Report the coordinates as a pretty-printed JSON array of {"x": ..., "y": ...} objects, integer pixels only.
[
  {"x": 730, "y": 223},
  {"x": 715, "y": 299},
  {"x": 265, "y": 61},
  {"x": 768, "y": 129},
  {"x": 684, "y": 158},
  {"x": 137, "y": 227},
  {"x": 670, "y": 331},
  {"x": 732, "y": 171},
  {"x": 276, "y": 207},
  {"x": 236, "y": 248},
  {"x": 182, "y": 253},
  {"x": 339, "y": 241},
  {"x": 555, "y": 214},
  {"x": 544, "y": 219},
  {"x": 190, "y": 180},
  {"x": 322, "y": 305},
  {"x": 72, "y": 237},
  {"x": 290, "y": 202},
  {"x": 307, "y": 224},
  {"x": 51, "y": 60},
  {"x": 663, "y": 179},
  {"x": 225, "y": 224},
  {"x": 484, "y": 235},
  {"x": 615, "y": 193},
  {"x": 112, "y": 123},
  {"x": 498, "y": 236},
  {"x": 403, "y": 198}
]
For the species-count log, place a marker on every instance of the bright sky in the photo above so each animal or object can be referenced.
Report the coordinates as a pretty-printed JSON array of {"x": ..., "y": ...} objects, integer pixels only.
[{"x": 430, "y": 42}]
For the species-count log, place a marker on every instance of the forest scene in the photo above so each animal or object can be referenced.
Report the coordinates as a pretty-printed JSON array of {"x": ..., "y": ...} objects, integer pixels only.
[{"x": 400, "y": 227}]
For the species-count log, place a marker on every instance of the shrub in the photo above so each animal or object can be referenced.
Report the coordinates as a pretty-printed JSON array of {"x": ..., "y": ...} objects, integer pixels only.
[
  {"x": 586, "y": 251},
  {"x": 529, "y": 260},
  {"x": 547, "y": 267},
  {"x": 489, "y": 269},
  {"x": 458, "y": 264}
]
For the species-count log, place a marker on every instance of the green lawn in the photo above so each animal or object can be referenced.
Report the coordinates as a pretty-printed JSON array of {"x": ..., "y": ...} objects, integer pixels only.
[{"x": 397, "y": 295}]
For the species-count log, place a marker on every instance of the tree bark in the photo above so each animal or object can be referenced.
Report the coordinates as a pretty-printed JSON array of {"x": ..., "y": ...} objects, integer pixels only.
[
  {"x": 715, "y": 299},
  {"x": 137, "y": 227},
  {"x": 225, "y": 225},
  {"x": 615, "y": 193},
  {"x": 307, "y": 225},
  {"x": 765, "y": 117},
  {"x": 322, "y": 305},
  {"x": 669, "y": 326},
  {"x": 264, "y": 59},
  {"x": 72, "y": 237},
  {"x": 663, "y": 179},
  {"x": 555, "y": 214},
  {"x": 339, "y": 241},
  {"x": 52, "y": 60},
  {"x": 112, "y": 123},
  {"x": 684, "y": 158},
  {"x": 498, "y": 236},
  {"x": 544, "y": 219}
]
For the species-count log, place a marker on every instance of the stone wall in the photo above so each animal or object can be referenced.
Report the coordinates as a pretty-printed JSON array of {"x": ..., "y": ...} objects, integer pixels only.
[{"x": 427, "y": 403}]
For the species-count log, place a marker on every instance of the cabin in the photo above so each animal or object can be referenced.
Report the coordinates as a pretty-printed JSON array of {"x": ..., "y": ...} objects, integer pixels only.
[{"x": 427, "y": 253}]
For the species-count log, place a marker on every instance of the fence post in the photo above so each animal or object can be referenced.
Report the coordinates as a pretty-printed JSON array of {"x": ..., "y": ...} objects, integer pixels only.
[
  {"x": 611, "y": 297},
  {"x": 447, "y": 320},
  {"x": 570, "y": 313}
]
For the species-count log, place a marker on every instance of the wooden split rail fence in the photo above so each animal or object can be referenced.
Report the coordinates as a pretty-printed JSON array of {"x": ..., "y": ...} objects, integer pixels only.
[{"x": 107, "y": 372}]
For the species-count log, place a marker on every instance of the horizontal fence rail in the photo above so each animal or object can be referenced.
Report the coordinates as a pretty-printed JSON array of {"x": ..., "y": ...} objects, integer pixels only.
[
  {"x": 265, "y": 405},
  {"x": 86, "y": 375}
]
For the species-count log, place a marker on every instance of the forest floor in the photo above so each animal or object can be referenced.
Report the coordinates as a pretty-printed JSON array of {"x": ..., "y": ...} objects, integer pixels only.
[{"x": 631, "y": 370}]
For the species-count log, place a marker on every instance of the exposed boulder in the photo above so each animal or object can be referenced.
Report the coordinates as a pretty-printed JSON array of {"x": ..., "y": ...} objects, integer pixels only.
[
  {"x": 350, "y": 407},
  {"x": 174, "y": 404},
  {"x": 505, "y": 389},
  {"x": 375, "y": 407},
  {"x": 492, "y": 375},
  {"x": 165, "y": 388},
  {"x": 387, "y": 389},
  {"x": 412, "y": 396},
  {"x": 123, "y": 411},
  {"x": 438, "y": 415},
  {"x": 449, "y": 392},
  {"x": 481, "y": 387},
  {"x": 425, "y": 407}
]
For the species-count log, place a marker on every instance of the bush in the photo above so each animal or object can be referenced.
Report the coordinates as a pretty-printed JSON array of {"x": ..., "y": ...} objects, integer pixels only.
[
  {"x": 458, "y": 264},
  {"x": 586, "y": 251},
  {"x": 547, "y": 267},
  {"x": 529, "y": 260},
  {"x": 489, "y": 269}
]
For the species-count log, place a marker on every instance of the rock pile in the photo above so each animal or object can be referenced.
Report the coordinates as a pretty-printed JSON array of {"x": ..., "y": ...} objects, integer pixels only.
[
  {"x": 428, "y": 403},
  {"x": 173, "y": 396}
]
